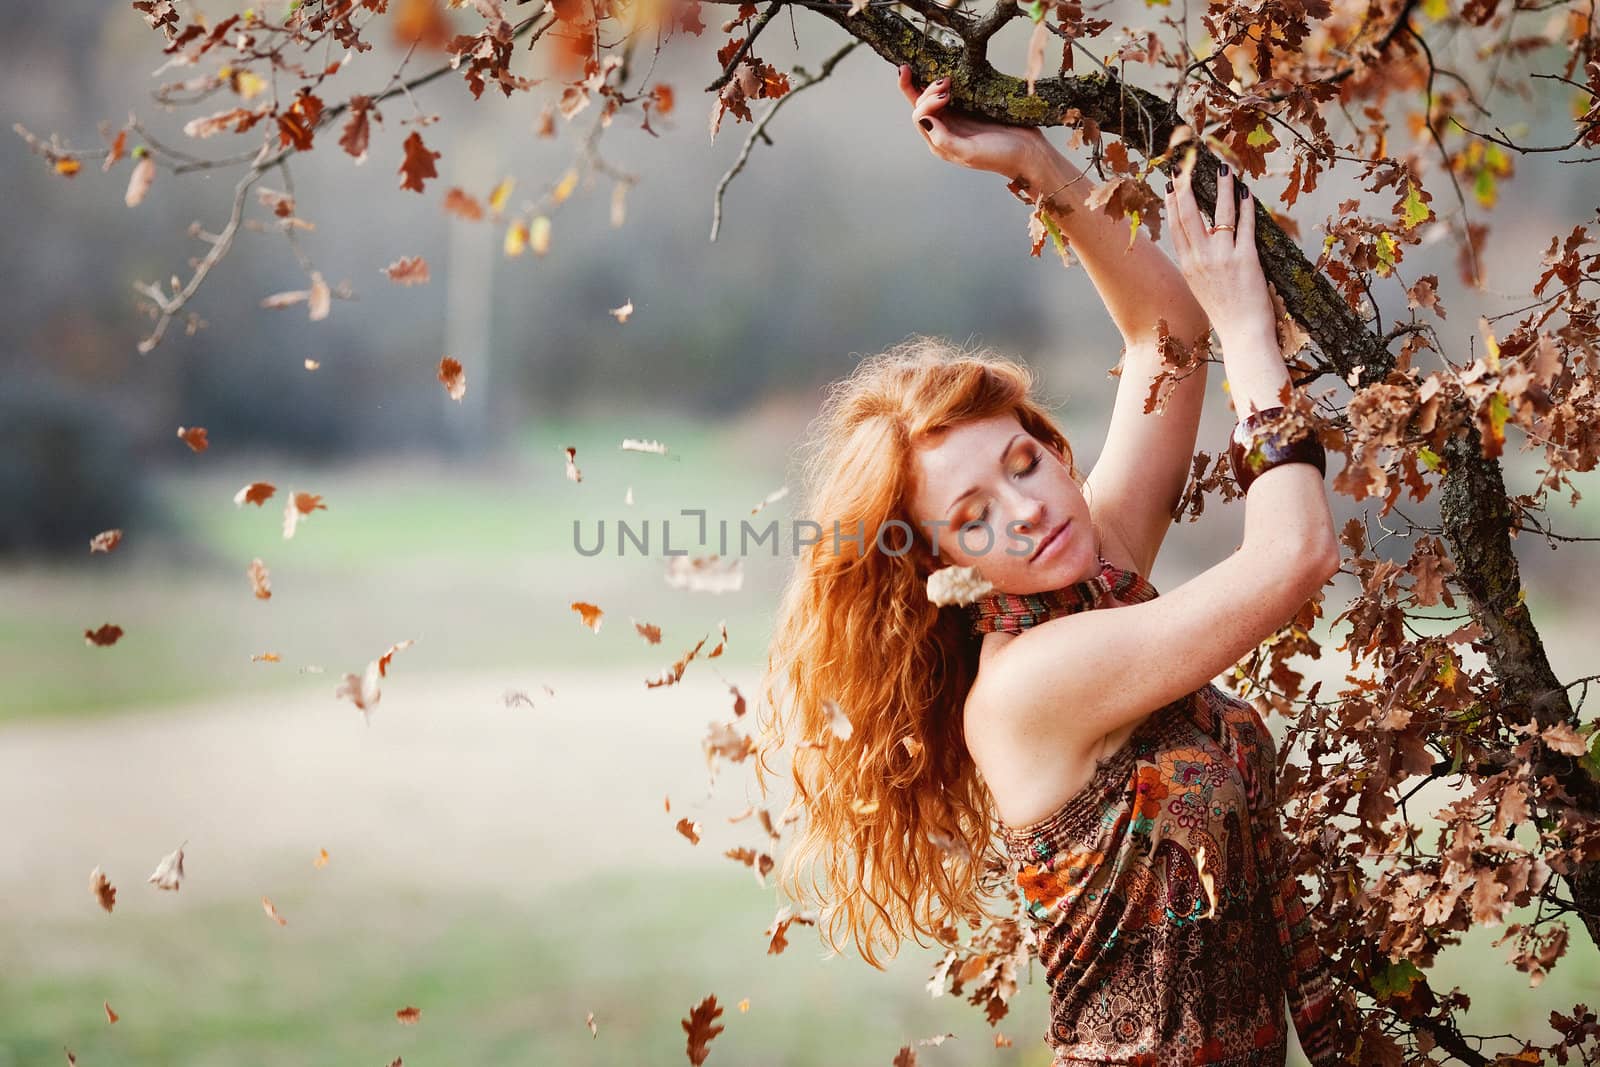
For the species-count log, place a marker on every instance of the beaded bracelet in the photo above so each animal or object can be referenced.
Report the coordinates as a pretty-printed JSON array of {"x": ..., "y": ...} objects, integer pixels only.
[{"x": 1251, "y": 453}]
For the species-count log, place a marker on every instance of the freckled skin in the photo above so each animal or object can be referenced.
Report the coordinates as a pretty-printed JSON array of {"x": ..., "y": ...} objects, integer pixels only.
[{"x": 1018, "y": 506}]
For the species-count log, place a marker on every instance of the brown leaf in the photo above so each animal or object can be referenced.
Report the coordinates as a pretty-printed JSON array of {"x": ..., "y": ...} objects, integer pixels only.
[
  {"x": 119, "y": 149},
  {"x": 649, "y": 631},
  {"x": 417, "y": 167},
  {"x": 453, "y": 377},
  {"x": 103, "y": 890},
  {"x": 357, "y": 129},
  {"x": 462, "y": 205},
  {"x": 1563, "y": 738},
  {"x": 111, "y": 1016},
  {"x": 573, "y": 473},
  {"x": 594, "y": 1031},
  {"x": 256, "y": 493},
  {"x": 105, "y": 540},
  {"x": 297, "y": 508},
  {"x": 408, "y": 1015},
  {"x": 699, "y": 1026},
  {"x": 194, "y": 437},
  {"x": 322, "y": 859},
  {"x": 591, "y": 614},
  {"x": 906, "y": 1057},
  {"x": 690, "y": 829},
  {"x": 260, "y": 581},
  {"x": 319, "y": 300},
  {"x": 621, "y": 314},
  {"x": 106, "y": 635},
  {"x": 272, "y": 912},
  {"x": 169, "y": 872},
  {"x": 408, "y": 270}
]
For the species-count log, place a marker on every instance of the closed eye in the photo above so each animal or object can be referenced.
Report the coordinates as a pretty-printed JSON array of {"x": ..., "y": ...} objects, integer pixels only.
[{"x": 984, "y": 514}]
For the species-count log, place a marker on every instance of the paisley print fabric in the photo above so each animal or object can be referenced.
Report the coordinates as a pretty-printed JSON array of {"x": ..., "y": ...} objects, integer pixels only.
[{"x": 1170, "y": 927}]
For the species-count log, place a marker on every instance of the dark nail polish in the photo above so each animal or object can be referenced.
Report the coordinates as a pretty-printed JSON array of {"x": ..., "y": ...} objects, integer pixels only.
[
  {"x": 1169, "y": 187},
  {"x": 1222, "y": 169},
  {"x": 927, "y": 124},
  {"x": 1244, "y": 191}
]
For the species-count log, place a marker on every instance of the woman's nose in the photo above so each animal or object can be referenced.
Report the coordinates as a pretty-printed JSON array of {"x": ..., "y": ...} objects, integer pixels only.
[{"x": 1031, "y": 513}]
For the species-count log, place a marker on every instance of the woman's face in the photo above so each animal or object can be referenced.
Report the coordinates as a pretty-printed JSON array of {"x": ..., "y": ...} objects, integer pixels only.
[{"x": 988, "y": 495}]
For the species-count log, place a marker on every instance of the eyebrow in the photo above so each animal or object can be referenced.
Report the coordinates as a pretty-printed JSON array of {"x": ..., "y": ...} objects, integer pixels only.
[{"x": 1003, "y": 454}]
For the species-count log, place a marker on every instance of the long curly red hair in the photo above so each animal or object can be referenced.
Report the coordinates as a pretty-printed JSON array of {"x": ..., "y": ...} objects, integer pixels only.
[{"x": 896, "y": 819}]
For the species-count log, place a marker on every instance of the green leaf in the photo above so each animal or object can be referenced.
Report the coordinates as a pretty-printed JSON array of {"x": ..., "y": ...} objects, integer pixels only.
[
  {"x": 1499, "y": 411},
  {"x": 1591, "y": 759},
  {"x": 1034, "y": 9},
  {"x": 1396, "y": 978},
  {"x": 1055, "y": 231},
  {"x": 1416, "y": 211},
  {"x": 1260, "y": 136},
  {"x": 1484, "y": 187},
  {"x": 1430, "y": 458},
  {"x": 1386, "y": 253},
  {"x": 1436, "y": 9}
]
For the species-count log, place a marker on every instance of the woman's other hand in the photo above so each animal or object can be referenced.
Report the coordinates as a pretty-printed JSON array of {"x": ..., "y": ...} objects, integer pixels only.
[
  {"x": 973, "y": 142},
  {"x": 1219, "y": 262}
]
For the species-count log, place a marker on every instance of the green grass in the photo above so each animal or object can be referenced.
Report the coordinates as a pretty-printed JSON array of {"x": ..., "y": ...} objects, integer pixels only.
[
  {"x": 497, "y": 982},
  {"x": 476, "y": 563}
]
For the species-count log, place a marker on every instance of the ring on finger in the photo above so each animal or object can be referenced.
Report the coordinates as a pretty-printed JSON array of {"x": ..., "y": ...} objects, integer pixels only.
[{"x": 1224, "y": 226}]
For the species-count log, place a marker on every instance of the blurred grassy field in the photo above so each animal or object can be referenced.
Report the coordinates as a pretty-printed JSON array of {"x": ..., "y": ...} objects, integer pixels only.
[{"x": 475, "y": 562}]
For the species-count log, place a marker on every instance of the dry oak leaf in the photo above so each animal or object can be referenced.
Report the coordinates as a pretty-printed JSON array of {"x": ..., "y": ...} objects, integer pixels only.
[
  {"x": 272, "y": 912},
  {"x": 322, "y": 859},
  {"x": 169, "y": 872},
  {"x": 408, "y": 270},
  {"x": 408, "y": 1015},
  {"x": 771, "y": 498},
  {"x": 106, "y": 635},
  {"x": 297, "y": 508},
  {"x": 362, "y": 689},
  {"x": 105, "y": 540},
  {"x": 453, "y": 377},
  {"x": 194, "y": 437},
  {"x": 573, "y": 473},
  {"x": 111, "y": 1016},
  {"x": 320, "y": 299},
  {"x": 500, "y": 194},
  {"x": 701, "y": 1029},
  {"x": 72, "y": 1061},
  {"x": 629, "y": 444},
  {"x": 256, "y": 493},
  {"x": 622, "y": 313},
  {"x": 706, "y": 574},
  {"x": 312, "y": 364},
  {"x": 690, "y": 829},
  {"x": 539, "y": 235},
  {"x": 592, "y": 615},
  {"x": 1563, "y": 738},
  {"x": 594, "y": 1031},
  {"x": 1001, "y": 1041},
  {"x": 119, "y": 148},
  {"x": 516, "y": 239},
  {"x": 649, "y": 631},
  {"x": 265, "y": 657},
  {"x": 103, "y": 890},
  {"x": 417, "y": 166},
  {"x": 462, "y": 204},
  {"x": 260, "y": 581},
  {"x": 905, "y": 1057},
  {"x": 674, "y": 674},
  {"x": 715, "y": 652}
]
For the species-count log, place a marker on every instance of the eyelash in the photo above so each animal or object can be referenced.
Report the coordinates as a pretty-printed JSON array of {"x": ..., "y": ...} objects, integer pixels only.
[{"x": 1029, "y": 469}]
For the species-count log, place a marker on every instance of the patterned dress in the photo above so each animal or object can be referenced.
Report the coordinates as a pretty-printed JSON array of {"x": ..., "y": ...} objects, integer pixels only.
[{"x": 1170, "y": 927}]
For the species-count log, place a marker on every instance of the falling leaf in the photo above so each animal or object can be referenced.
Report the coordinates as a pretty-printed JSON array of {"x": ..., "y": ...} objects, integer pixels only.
[
  {"x": 516, "y": 240},
  {"x": 144, "y": 173},
  {"x": 297, "y": 508},
  {"x": 674, "y": 674},
  {"x": 169, "y": 872},
  {"x": 648, "y": 631},
  {"x": 417, "y": 166},
  {"x": 631, "y": 445},
  {"x": 272, "y": 912},
  {"x": 690, "y": 829},
  {"x": 906, "y": 1057},
  {"x": 628, "y": 497},
  {"x": 700, "y": 1029},
  {"x": 771, "y": 498},
  {"x": 383, "y": 660},
  {"x": 320, "y": 302},
  {"x": 722, "y": 628},
  {"x": 573, "y": 474},
  {"x": 312, "y": 364},
  {"x": 453, "y": 377},
  {"x": 744, "y": 1005},
  {"x": 539, "y": 235},
  {"x": 194, "y": 437},
  {"x": 68, "y": 167},
  {"x": 1001, "y": 1041},
  {"x": 706, "y": 574},
  {"x": 569, "y": 182},
  {"x": 111, "y": 1016},
  {"x": 256, "y": 493},
  {"x": 619, "y": 204},
  {"x": 738, "y": 701},
  {"x": 408, "y": 270},
  {"x": 408, "y": 1015},
  {"x": 103, "y": 890},
  {"x": 119, "y": 148},
  {"x": 838, "y": 721},
  {"x": 72, "y": 1061},
  {"x": 936, "y": 1040},
  {"x": 462, "y": 204},
  {"x": 621, "y": 313},
  {"x": 266, "y": 657},
  {"x": 592, "y": 615},
  {"x": 1035, "y": 62},
  {"x": 260, "y": 582},
  {"x": 322, "y": 859},
  {"x": 362, "y": 689},
  {"x": 106, "y": 635},
  {"x": 500, "y": 194},
  {"x": 105, "y": 540},
  {"x": 957, "y": 585},
  {"x": 594, "y": 1031}
]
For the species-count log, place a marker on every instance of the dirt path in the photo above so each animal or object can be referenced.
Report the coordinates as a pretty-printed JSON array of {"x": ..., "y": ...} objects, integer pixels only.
[{"x": 447, "y": 787}]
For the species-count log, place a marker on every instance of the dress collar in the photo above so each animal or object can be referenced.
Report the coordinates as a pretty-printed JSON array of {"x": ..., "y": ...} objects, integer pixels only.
[{"x": 1015, "y": 612}]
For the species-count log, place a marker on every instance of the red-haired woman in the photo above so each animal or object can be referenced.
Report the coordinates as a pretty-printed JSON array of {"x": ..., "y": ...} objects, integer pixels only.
[{"x": 1066, "y": 715}]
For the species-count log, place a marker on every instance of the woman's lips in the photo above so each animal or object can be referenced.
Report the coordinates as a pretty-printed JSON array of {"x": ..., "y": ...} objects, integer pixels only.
[{"x": 1050, "y": 540}]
